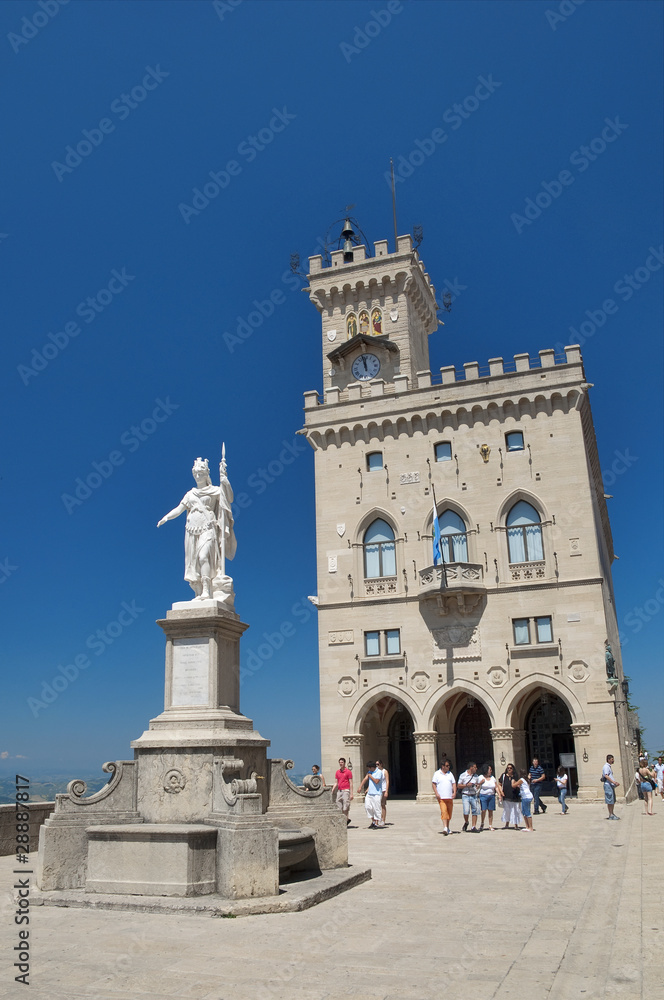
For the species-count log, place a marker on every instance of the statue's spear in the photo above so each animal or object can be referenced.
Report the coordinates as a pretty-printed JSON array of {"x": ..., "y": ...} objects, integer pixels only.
[{"x": 222, "y": 511}]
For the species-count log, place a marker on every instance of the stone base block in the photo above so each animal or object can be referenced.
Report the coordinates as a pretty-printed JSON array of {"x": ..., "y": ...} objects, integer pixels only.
[
  {"x": 152, "y": 859},
  {"x": 293, "y": 897}
]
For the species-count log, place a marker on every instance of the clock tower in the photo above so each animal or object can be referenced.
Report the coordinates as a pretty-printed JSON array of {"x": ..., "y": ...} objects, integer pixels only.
[
  {"x": 465, "y": 599},
  {"x": 377, "y": 314}
]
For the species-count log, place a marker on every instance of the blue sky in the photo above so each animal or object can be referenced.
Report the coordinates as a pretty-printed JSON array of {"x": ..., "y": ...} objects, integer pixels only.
[{"x": 169, "y": 93}]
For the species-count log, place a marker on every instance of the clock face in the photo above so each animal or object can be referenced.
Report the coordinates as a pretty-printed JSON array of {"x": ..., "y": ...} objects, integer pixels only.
[{"x": 365, "y": 367}]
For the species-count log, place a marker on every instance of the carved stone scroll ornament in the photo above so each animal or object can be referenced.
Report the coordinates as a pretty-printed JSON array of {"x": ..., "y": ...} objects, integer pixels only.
[{"x": 77, "y": 788}]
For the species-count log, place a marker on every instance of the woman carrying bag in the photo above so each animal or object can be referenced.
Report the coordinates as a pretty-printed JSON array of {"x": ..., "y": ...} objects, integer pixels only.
[
  {"x": 648, "y": 780},
  {"x": 508, "y": 790}
]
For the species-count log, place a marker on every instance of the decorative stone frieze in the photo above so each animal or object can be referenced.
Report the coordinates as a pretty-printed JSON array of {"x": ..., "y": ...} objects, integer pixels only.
[
  {"x": 502, "y": 734},
  {"x": 456, "y": 642},
  {"x": 340, "y": 638},
  {"x": 580, "y": 728},
  {"x": 385, "y": 585}
]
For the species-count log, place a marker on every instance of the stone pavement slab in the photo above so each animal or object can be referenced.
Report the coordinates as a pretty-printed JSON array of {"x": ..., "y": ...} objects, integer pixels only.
[{"x": 572, "y": 911}]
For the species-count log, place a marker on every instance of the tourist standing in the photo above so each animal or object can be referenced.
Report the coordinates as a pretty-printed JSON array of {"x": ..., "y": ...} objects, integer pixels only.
[
  {"x": 487, "y": 795},
  {"x": 510, "y": 798},
  {"x": 373, "y": 779},
  {"x": 537, "y": 776},
  {"x": 343, "y": 787},
  {"x": 385, "y": 790},
  {"x": 526, "y": 796},
  {"x": 610, "y": 785},
  {"x": 659, "y": 773},
  {"x": 648, "y": 781},
  {"x": 561, "y": 785},
  {"x": 315, "y": 771},
  {"x": 445, "y": 788},
  {"x": 469, "y": 783}
]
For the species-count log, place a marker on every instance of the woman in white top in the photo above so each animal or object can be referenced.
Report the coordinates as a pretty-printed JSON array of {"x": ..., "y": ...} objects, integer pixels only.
[
  {"x": 487, "y": 795},
  {"x": 561, "y": 783},
  {"x": 526, "y": 799}
]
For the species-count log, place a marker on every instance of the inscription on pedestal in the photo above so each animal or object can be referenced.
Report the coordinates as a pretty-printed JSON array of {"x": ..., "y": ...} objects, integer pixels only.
[{"x": 191, "y": 667}]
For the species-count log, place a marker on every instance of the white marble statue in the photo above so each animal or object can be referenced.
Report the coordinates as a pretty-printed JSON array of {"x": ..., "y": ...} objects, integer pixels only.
[{"x": 209, "y": 539}]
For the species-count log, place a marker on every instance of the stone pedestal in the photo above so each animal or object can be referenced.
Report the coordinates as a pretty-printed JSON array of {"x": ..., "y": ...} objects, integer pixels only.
[{"x": 189, "y": 816}]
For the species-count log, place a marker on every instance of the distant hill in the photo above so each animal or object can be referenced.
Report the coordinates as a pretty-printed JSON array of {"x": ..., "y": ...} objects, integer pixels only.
[{"x": 45, "y": 789}]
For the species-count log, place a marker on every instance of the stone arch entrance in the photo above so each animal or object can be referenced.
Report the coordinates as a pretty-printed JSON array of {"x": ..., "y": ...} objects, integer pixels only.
[
  {"x": 548, "y": 726},
  {"x": 472, "y": 729},
  {"x": 401, "y": 753},
  {"x": 387, "y": 730}
]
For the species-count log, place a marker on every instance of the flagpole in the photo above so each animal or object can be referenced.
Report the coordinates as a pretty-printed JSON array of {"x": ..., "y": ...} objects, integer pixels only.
[{"x": 394, "y": 206}]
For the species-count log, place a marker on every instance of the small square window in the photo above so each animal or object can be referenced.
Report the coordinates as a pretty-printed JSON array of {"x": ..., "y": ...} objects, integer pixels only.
[
  {"x": 521, "y": 632},
  {"x": 514, "y": 441},
  {"x": 393, "y": 641},
  {"x": 374, "y": 461},
  {"x": 443, "y": 451},
  {"x": 544, "y": 629},
  {"x": 372, "y": 643}
]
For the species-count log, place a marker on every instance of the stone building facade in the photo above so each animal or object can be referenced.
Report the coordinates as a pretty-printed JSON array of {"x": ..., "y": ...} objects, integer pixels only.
[{"x": 498, "y": 652}]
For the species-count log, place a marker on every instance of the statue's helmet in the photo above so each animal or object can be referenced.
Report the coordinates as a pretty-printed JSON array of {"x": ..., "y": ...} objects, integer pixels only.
[{"x": 201, "y": 465}]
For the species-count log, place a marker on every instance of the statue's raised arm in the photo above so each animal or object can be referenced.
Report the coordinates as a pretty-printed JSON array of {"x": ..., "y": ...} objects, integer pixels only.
[{"x": 209, "y": 537}]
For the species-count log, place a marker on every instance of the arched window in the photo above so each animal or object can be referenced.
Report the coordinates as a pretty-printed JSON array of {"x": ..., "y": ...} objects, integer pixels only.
[
  {"x": 524, "y": 534},
  {"x": 379, "y": 550},
  {"x": 453, "y": 537}
]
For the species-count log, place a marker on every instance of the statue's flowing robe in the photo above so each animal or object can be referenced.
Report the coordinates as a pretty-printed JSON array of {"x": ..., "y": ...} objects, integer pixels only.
[{"x": 202, "y": 534}]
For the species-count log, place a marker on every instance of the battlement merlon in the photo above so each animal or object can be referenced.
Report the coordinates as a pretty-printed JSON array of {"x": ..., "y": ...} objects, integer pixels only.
[
  {"x": 507, "y": 380},
  {"x": 340, "y": 284}
]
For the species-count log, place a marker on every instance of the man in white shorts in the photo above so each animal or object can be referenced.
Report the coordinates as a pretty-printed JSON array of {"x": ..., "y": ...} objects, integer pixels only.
[
  {"x": 372, "y": 800},
  {"x": 659, "y": 771}
]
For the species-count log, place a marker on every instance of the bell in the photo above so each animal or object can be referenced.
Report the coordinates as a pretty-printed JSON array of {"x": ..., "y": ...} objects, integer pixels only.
[{"x": 347, "y": 233}]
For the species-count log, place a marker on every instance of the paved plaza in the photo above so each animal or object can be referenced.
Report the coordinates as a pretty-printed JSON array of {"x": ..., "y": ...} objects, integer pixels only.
[{"x": 572, "y": 911}]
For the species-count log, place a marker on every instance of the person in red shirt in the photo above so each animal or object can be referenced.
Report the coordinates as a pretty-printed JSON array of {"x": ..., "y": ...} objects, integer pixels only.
[{"x": 343, "y": 788}]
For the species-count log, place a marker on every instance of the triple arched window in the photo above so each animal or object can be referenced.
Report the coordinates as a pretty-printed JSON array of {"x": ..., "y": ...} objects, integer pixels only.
[
  {"x": 524, "y": 534},
  {"x": 379, "y": 550}
]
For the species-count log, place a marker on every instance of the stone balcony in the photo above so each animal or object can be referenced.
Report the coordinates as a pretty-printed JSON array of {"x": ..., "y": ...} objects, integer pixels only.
[{"x": 454, "y": 586}]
